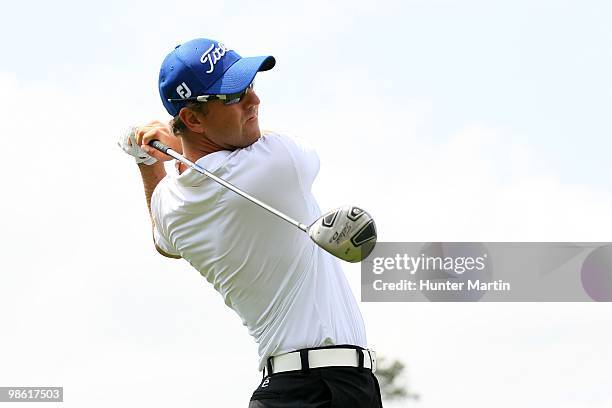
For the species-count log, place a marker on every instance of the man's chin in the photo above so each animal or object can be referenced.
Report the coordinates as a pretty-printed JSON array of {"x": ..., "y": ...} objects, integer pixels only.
[
  {"x": 253, "y": 136},
  {"x": 250, "y": 140}
]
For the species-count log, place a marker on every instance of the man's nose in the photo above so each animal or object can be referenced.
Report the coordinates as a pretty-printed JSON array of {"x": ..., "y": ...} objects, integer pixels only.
[{"x": 251, "y": 98}]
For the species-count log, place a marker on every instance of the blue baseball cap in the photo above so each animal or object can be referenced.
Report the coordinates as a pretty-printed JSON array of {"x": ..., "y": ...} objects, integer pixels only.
[{"x": 206, "y": 67}]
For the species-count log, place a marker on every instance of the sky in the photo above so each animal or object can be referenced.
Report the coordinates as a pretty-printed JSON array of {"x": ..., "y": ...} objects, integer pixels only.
[{"x": 446, "y": 120}]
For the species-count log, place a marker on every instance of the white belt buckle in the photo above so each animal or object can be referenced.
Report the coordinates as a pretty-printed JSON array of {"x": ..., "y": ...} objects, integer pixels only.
[{"x": 372, "y": 354}]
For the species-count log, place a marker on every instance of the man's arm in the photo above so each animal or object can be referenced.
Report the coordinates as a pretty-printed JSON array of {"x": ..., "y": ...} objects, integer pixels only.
[{"x": 151, "y": 176}]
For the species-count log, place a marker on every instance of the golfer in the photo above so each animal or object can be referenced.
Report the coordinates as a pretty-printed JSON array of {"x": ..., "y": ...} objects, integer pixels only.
[{"x": 291, "y": 295}]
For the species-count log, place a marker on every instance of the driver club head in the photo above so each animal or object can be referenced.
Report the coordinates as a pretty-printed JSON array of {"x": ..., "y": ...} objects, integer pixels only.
[{"x": 348, "y": 233}]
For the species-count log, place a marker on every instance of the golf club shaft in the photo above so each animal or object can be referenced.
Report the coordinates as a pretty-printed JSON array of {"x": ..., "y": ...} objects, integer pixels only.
[{"x": 165, "y": 149}]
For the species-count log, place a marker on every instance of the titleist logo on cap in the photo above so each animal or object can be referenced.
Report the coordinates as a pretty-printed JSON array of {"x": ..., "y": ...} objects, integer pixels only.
[{"x": 212, "y": 55}]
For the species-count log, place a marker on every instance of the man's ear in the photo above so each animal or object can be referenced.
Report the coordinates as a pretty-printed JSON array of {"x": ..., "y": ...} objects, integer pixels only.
[{"x": 192, "y": 119}]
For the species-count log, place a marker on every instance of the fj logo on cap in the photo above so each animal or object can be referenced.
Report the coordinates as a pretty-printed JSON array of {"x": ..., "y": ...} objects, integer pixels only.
[
  {"x": 213, "y": 55},
  {"x": 183, "y": 90}
]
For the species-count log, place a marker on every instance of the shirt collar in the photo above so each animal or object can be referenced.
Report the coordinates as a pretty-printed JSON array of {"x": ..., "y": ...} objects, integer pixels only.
[{"x": 211, "y": 162}]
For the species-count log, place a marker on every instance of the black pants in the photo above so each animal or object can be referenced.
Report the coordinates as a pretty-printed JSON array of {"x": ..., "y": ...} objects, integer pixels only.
[{"x": 326, "y": 387}]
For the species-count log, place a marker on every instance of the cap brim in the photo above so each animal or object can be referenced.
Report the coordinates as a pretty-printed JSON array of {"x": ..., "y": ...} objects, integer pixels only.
[{"x": 237, "y": 77}]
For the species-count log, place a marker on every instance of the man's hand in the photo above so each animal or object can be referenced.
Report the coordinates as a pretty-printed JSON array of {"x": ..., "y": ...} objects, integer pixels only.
[
  {"x": 135, "y": 142},
  {"x": 127, "y": 142}
]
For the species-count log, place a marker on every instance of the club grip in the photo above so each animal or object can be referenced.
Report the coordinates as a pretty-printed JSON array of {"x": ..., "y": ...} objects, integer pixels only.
[{"x": 159, "y": 146}]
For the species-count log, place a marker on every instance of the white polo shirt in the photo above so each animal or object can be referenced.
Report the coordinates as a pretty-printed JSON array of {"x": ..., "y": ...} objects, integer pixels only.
[{"x": 289, "y": 293}]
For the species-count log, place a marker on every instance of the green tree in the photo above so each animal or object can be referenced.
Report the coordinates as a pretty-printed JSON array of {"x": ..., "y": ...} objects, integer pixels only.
[{"x": 392, "y": 387}]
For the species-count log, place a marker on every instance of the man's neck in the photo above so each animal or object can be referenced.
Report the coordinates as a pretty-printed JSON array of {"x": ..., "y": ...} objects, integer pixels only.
[{"x": 195, "y": 150}]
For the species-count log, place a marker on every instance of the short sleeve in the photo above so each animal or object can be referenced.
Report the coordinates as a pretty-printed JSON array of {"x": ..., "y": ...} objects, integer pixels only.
[
  {"x": 160, "y": 239},
  {"x": 162, "y": 243}
]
